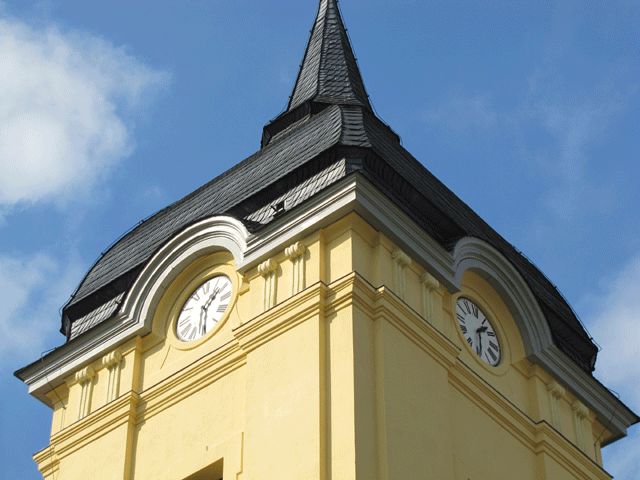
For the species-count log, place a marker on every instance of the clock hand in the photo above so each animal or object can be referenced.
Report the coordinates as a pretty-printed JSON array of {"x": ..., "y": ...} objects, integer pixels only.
[
  {"x": 211, "y": 299},
  {"x": 205, "y": 309},
  {"x": 479, "y": 332},
  {"x": 203, "y": 321}
]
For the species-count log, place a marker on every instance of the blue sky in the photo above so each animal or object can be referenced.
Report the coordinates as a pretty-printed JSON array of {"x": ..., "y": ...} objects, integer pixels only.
[{"x": 111, "y": 110}]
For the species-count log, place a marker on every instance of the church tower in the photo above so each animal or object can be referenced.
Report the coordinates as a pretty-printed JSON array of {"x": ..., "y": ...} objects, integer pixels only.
[{"x": 327, "y": 309}]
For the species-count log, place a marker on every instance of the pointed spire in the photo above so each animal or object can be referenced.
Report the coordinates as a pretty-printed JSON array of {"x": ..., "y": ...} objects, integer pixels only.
[{"x": 329, "y": 71}]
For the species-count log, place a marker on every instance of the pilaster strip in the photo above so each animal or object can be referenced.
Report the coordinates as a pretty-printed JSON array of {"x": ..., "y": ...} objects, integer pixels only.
[
  {"x": 295, "y": 253},
  {"x": 85, "y": 379},
  {"x": 268, "y": 270},
  {"x": 557, "y": 393},
  {"x": 430, "y": 288},
  {"x": 400, "y": 262},
  {"x": 580, "y": 414},
  {"x": 112, "y": 363}
]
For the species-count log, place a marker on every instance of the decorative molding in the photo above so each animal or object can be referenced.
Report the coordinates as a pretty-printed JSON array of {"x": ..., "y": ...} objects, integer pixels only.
[
  {"x": 401, "y": 258},
  {"x": 430, "y": 282},
  {"x": 267, "y": 267},
  {"x": 430, "y": 294},
  {"x": 473, "y": 254},
  {"x": 557, "y": 393},
  {"x": 112, "y": 360},
  {"x": 173, "y": 389},
  {"x": 205, "y": 237},
  {"x": 112, "y": 363},
  {"x": 296, "y": 250},
  {"x": 477, "y": 255},
  {"x": 93, "y": 426},
  {"x": 285, "y": 316},
  {"x": 610, "y": 411},
  {"x": 579, "y": 409},
  {"x": 48, "y": 462},
  {"x": 85, "y": 375},
  {"x": 400, "y": 262},
  {"x": 352, "y": 194},
  {"x": 538, "y": 436},
  {"x": 269, "y": 271},
  {"x": 580, "y": 414},
  {"x": 85, "y": 379},
  {"x": 295, "y": 253}
]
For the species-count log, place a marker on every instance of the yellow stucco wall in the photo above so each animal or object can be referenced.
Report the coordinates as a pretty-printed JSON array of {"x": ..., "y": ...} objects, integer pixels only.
[{"x": 360, "y": 374}]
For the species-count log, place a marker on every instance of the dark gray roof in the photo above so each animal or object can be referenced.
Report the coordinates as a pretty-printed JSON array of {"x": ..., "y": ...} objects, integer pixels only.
[
  {"x": 315, "y": 143},
  {"x": 300, "y": 145},
  {"x": 329, "y": 71},
  {"x": 97, "y": 316}
]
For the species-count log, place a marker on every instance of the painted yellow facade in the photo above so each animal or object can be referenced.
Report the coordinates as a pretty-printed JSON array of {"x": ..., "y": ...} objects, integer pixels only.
[{"x": 339, "y": 359}]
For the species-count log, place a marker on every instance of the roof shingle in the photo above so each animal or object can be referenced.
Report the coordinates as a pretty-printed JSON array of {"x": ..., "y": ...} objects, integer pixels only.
[
  {"x": 305, "y": 150},
  {"x": 329, "y": 71}
]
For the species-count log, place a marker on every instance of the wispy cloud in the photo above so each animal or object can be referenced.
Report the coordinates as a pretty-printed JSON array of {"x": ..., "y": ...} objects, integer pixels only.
[
  {"x": 574, "y": 124},
  {"x": 67, "y": 99},
  {"x": 32, "y": 289},
  {"x": 612, "y": 316}
]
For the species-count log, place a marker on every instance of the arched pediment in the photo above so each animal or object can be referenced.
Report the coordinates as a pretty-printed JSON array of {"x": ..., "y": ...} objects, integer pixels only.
[
  {"x": 203, "y": 238},
  {"x": 473, "y": 254}
]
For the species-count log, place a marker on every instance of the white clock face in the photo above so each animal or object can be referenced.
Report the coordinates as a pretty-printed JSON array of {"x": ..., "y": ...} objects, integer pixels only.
[
  {"x": 204, "y": 309},
  {"x": 478, "y": 331}
]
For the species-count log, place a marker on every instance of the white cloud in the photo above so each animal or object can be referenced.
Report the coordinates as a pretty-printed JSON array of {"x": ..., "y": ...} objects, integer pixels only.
[
  {"x": 615, "y": 324},
  {"x": 32, "y": 290},
  {"x": 574, "y": 126},
  {"x": 66, "y": 99}
]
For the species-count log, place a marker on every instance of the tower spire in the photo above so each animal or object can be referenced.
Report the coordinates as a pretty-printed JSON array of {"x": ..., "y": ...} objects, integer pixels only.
[{"x": 329, "y": 71}]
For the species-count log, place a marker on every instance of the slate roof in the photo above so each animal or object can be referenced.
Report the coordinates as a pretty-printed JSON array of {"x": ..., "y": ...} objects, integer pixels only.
[
  {"x": 97, "y": 316},
  {"x": 329, "y": 70},
  {"x": 328, "y": 132}
]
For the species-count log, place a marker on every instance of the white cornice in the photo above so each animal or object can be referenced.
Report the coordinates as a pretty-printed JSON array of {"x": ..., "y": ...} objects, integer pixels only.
[
  {"x": 352, "y": 194},
  {"x": 473, "y": 254},
  {"x": 205, "y": 237},
  {"x": 614, "y": 415},
  {"x": 478, "y": 256}
]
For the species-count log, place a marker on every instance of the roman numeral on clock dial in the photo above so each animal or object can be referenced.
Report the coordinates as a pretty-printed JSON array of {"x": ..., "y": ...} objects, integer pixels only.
[
  {"x": 478, "y": 331},
  {"x": 206, "y": 306}
]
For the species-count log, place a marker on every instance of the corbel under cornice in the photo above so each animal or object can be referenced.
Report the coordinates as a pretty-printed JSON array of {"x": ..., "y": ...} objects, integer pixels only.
[
  {"x": 477, "y": 255},
  {"x": 352, "y": 194}
]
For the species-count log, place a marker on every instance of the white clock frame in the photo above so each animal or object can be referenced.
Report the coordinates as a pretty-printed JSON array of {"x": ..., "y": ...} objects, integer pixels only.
[
  {"x": 215, "y": 268},
  {"x": 505, "y": 348},
  {"x": 204, "y": 308}
]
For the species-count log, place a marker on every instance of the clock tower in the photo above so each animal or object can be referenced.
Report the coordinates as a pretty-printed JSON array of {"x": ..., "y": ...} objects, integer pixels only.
[{"x": 326, "y": 309}]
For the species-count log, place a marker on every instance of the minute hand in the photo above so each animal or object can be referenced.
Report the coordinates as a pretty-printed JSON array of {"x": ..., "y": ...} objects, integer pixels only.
[
  {"x": 480, "y": 331},
  {"x": 211, "y": 299}
]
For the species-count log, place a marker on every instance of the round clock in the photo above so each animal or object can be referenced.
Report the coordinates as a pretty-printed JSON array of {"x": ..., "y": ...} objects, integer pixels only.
[
  {"x": 478, "y": 331},
  {"x": 204, "y": 309}
]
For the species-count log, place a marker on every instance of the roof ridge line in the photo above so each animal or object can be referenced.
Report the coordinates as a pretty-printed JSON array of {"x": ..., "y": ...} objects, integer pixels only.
[
  {"x": 322, "y": 44},
  {"x": 304, "y": 58}
]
